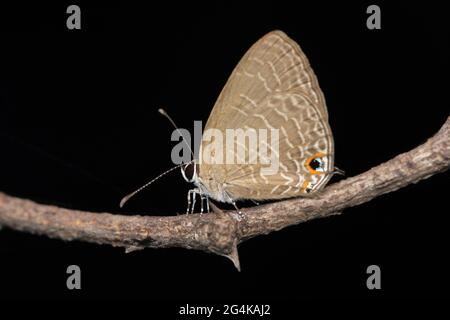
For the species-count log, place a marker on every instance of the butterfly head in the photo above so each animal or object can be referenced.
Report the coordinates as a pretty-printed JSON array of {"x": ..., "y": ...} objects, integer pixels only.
[{"x": 189, "y": 171}]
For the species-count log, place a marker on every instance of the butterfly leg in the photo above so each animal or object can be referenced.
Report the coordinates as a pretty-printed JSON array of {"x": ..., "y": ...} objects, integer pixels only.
[
  {"x": 194, "y": 198},
  {"x": 191, "y": 198},
  {"x": 189, "y": 195},
  {"x": 239, "y": 212},
  {"x": 204, "y": 199},
  {"x": 240, "y": 215}
]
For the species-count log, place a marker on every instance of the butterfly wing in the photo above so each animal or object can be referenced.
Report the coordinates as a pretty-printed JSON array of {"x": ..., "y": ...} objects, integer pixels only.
[{"x": 272, "y": 87}]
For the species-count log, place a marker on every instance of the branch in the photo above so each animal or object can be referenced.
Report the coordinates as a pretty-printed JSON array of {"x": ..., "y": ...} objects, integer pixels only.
[{"x": 221, "y": 232}]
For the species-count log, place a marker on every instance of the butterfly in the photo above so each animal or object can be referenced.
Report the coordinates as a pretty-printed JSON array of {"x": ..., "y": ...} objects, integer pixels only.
[{"x": 272, "y": 87}]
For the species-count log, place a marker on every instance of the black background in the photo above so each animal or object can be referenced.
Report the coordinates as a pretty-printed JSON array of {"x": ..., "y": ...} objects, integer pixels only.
[{"x": 80, "y": 129}]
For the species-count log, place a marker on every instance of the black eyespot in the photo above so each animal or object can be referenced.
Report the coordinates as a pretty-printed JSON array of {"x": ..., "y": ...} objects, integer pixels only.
[
  {"x": 315, "y": 164},
  {"x": 308, "y": 190}
]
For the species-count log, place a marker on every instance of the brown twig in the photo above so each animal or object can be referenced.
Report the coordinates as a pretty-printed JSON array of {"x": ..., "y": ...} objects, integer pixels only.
[{"x": 221, "y": 232}]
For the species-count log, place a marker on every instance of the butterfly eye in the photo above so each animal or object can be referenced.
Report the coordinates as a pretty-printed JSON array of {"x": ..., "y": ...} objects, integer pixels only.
[{"x": 189, "y": 172}]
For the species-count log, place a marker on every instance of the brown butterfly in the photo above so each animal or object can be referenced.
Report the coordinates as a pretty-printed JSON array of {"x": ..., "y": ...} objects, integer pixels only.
[{"x": 272, "y": 87}]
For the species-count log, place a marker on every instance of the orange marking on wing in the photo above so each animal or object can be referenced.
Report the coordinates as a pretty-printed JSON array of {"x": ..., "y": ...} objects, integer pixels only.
[
  {"x": 304, "y": 185},
  {"x": 308, "y": 161}
]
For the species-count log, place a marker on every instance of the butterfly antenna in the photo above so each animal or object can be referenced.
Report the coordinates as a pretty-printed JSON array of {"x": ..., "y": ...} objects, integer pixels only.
[
  {"x": 126, "y": 198},
  {"x": 164, "y": 113}
]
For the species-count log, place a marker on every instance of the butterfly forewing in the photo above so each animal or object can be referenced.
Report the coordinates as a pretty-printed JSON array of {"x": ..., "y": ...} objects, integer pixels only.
[
  {"x": 272, "y": 87},
  {"x": 273, "y": 64}
]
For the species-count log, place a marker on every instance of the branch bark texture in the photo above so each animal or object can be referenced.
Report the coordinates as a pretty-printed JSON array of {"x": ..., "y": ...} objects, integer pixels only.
[{"x": 222, "y": 231}]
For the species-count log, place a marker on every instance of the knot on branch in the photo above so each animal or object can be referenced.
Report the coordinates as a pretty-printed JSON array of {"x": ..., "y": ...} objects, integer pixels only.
[{"x": 218, "y": 231}]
